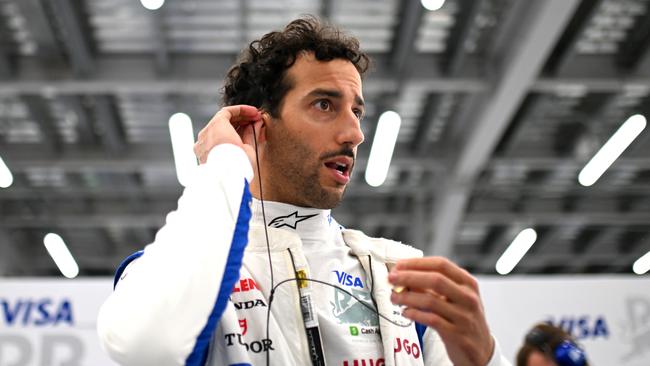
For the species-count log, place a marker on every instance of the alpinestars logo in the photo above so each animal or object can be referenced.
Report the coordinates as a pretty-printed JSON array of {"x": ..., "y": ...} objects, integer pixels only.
[{"x": 290, "y": 220}]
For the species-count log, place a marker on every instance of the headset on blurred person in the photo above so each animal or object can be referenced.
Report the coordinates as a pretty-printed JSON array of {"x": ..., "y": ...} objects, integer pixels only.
[{"x": 553, "y": 342}]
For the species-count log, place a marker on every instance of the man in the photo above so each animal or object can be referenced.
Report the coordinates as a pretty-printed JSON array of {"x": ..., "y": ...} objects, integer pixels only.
[{"x": 235, "y": 280}]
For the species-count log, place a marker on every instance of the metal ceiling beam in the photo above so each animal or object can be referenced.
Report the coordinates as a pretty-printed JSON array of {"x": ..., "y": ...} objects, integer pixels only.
[
  {"x": 542, "y": 24},
  {"x": 39, "y": 112},
  {"x": 494, "y": 245},
  {"x": 559, "y": 218},
  {"x": 133, "y": 157},
  {"x": 171, "y": 192},
  {"x": 516, "y": 129},
  {"x": 109, "y": 126},
  {"x": 549, "y": 188},
  {"x": 551, "y": 163},
  {"x": 159, "y": 156},
  {"x": 455, "y": 51},
  {"x": 6, "y": 64},
  {"x": 155, "y": 220},
  {"x": 565, "y": 48},
  {"x": 634, "y": 51},
  {"x": 419, "y": 232},
  {"x": 568, "y": 132},
  {"x": 84, "y": 125},
  {"x": 9, "y": 251},
  {"x": 154, "y": 156},
  {"x": 406, "y": 32},
  {"x": 537, "y": 262},
  {"x": 153, "y": 85},
  {"x": 152, "y": 220},
  {"x": 326, "y": 10},
  {"x": 162, "y": 59},
  {"x": 425, "y": 121},
  {"x": 48, "y": 50},
  {"x": 604, "y": 242},
  {"x": 200, "y": 74},
  {"x": 69, "y": 18}
]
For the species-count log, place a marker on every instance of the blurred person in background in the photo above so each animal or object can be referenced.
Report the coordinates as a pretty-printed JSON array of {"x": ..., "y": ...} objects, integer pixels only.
[{"x": 547, "y": 345}]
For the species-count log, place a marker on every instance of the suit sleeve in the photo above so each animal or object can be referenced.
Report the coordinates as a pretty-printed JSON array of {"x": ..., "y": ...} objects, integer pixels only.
[
  {"x": 435, "y": 353},
  {"x": 167, "y": 302}
]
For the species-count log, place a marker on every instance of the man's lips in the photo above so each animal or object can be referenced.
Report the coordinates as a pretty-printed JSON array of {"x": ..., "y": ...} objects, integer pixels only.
[{"x": 340, "y": 166}]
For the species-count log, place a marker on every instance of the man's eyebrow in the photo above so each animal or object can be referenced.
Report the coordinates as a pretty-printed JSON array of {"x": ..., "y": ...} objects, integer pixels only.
[{"x": 334, "y": 94}]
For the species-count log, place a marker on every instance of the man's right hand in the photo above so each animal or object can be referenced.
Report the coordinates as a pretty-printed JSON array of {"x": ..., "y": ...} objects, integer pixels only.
[{"x": 231, "y": 125}]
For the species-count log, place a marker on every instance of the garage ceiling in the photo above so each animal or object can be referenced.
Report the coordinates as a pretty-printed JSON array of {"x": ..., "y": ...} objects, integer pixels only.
[{"x": 502, "y": 103}]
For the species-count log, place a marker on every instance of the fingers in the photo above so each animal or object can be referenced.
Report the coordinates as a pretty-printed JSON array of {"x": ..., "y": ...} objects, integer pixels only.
[
  {"x": 446, "y": 298},
  {"x": 226, "y": 126},
  {"x": 428, "y": 302},
  {"x": 239, "y": 116},
  {"x": 435, "y": 321},
  {"x": 441, "y": 265},
  {"x": 239, "y": 112},
  {"x": 434, "y": 281}
]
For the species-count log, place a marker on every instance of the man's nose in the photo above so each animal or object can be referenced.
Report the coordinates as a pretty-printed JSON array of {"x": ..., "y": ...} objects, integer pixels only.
[{"x": 351, "y": 131}]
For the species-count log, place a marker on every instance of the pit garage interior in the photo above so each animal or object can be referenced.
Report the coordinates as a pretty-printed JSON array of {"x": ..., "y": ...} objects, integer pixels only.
[{"x": 502, "y": 103}]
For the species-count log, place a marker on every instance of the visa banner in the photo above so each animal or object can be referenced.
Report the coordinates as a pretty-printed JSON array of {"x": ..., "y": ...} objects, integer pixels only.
[
  {"x": 608, "y": 315},
  {"x": 51, "y": 322}
]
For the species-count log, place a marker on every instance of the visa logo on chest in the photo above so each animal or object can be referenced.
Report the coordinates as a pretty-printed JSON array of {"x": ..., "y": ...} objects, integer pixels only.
[
  {"x": 347, "y": 279},
  {"x": 36, "y": 312}
]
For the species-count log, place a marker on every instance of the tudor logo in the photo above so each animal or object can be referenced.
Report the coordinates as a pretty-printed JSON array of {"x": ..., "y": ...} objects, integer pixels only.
[
  {"x": 264, "y": 344},
  {"x": 290, "y": 220}
]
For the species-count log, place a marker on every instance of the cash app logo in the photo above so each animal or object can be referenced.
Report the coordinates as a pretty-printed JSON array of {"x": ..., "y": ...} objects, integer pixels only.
[{"x": 354, "y": 330}]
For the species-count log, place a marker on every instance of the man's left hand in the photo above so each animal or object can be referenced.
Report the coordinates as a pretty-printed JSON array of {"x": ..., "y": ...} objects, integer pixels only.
[{"x": 445, "y": 297}]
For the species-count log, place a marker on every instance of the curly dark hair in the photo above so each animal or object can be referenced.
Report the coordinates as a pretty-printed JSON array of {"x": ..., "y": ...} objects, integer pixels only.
[{"x": 259, "y": 76}]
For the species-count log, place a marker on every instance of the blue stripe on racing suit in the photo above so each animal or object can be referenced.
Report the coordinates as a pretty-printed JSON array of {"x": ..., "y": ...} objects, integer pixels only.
[{"x": 230, "y": 276}]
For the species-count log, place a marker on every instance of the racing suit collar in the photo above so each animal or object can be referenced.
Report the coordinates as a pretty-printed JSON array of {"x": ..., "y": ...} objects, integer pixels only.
[{"x": 311, "y": 224}]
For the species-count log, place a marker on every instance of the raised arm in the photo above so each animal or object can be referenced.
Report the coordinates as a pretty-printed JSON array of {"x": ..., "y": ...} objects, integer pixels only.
[{"x": 168, "y": 301}]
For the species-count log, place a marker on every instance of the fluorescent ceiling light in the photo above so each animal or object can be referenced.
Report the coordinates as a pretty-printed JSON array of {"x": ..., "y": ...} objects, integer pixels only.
[
  {"x": 6, "y": 178},
  {"x": 152, "y": 4},
  {"x": 61, "y": 255},
  {"x": 382, "y": 148},
  {"x": 182, "y": 135},
  {"x": 612, "y": 149},
  {"x": 433, "y": 5},
  {"x": 517, "y": 249},
  {"x": 642, "y": 265}
]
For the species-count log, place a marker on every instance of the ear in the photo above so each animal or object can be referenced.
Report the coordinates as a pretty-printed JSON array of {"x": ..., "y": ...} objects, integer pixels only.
[{"x": 263, "y": 127}]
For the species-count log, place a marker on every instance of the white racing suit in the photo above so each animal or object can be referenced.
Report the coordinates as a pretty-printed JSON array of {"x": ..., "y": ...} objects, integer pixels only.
[{"x": 199, "y": 295}]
